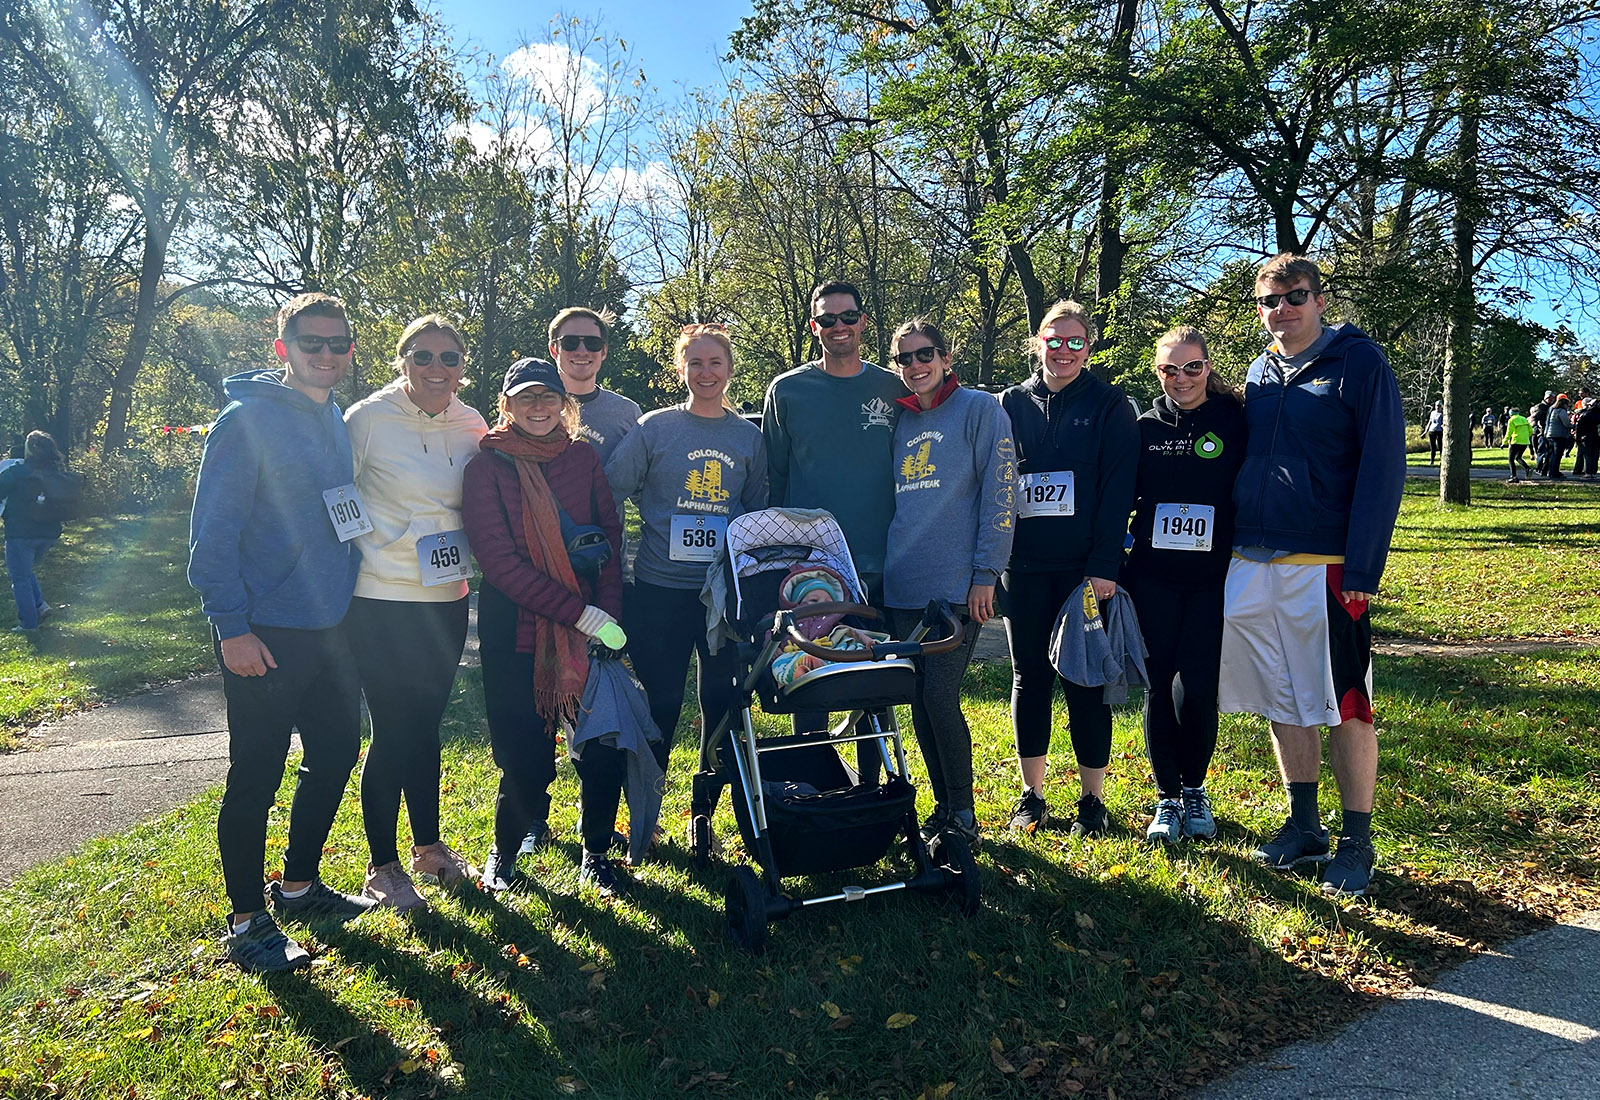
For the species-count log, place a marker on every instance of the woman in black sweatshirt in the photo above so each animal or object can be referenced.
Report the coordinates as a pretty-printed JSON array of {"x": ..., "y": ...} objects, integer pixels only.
[
  {"x": 1077, "y": 454},
  {"x": 1191, "y": 444}
]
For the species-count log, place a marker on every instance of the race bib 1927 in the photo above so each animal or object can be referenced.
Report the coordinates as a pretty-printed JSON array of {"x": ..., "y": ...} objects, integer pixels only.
[{"x": 1045, "y": 494}]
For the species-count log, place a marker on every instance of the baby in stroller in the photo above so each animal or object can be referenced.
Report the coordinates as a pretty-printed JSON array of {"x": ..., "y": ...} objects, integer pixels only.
[{"x": 816, "y": 584}]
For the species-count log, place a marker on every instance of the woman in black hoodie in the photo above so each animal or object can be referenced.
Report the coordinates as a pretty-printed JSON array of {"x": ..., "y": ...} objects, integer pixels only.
[
  {"x": 1077, "y": 452},
  {"x": 1191, "y": 444}
]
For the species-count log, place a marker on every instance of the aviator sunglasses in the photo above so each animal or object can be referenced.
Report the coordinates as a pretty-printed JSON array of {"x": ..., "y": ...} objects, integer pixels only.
[
  {"x": 311, "y": 345},
  {"x": 921, "y": 355},
  {"x": 1194, "y": 368},
  {"x": 590, "y": 343},
  {"x": 1074, "y": 343},
  {"x": 849, "y": 317},
  {"x": 1296, "y": 297},
  {"x": 422, "y": 357}
]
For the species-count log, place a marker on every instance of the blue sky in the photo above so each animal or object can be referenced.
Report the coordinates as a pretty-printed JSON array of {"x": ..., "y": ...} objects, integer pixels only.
[{"x": 674, "y": 44}]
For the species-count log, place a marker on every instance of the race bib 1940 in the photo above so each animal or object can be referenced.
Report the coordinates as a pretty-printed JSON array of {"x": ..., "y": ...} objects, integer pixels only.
[
  {"x": 344, "y": 509},
  {"x": 696, "y": 538},
  {"x": 443, "y": 558},
  {"x": 1045, "y": 494},
  {"x": 1184, "y": 527}
]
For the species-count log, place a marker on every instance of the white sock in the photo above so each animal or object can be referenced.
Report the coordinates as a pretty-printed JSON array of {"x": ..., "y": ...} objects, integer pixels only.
[
  {"x": 300, "y": 893},
  {"x": 241, "y": 927}
]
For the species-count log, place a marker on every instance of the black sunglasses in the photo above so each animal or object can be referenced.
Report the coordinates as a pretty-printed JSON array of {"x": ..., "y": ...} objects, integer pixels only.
[
  {"x": 1074, "y": 343},
  {"x": 422, "y": 357},
  {"x": 1296, "y": 297},
  {"x": 1194, "y": 368},
  {"x": 849, "y": 317},
  {"x": 590, "y": 343},
  {"x": 921, "y": 355},
  {"x": 311, "y": 345}
]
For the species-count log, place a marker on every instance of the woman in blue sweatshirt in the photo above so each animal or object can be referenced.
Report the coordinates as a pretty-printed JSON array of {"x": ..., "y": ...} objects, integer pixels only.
[
  {"x": 1077, "y": 456},
  {"x": 1192, "y": 444},
  {"x": 955, "y": 469}
]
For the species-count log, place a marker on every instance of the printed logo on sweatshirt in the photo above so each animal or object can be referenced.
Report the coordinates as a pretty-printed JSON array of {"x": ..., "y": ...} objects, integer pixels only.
[
  {"x": 916, "y": 467},
  {"x": 1208, "y": 445},
  {"x": 705, "y": 484},
  {"x": 1006, "y": 495},
  {"x": 876, "y": 413},
  {"x": 591, "y": 435}
]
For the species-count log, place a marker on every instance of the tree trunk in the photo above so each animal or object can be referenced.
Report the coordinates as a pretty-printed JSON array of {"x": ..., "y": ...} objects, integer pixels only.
[
  {"x": 158, "y": 232},
  {"x": 1455, "y": 465}
]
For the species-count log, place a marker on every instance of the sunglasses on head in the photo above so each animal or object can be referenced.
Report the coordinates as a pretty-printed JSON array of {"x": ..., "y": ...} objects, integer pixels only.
[
  {"x": 849, "y": 317},
  {"x": 921, "y": 355},
  {"x": 705, "y": 326},
  {"x": 589, "y": 343},
  {"x": 1296, "y": 297},
  {"x": 422, "y": 357},
  {"x": 311, "y": 345},
  {"x": 1194, "y": 368},
  {"x": 1074, "y": 343}
]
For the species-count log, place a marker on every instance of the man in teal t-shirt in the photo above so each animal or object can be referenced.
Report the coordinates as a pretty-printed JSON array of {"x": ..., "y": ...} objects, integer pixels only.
[{"x": 830, "y": 433}]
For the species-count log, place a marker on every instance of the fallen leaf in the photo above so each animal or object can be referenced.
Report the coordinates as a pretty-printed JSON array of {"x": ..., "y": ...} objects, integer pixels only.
[
  {"x": 830, "y": 1010},
  {"x": 900, "y": 1020},
  {"x": 842, "y": 1022},
  {"x": 713, "y": 998}
]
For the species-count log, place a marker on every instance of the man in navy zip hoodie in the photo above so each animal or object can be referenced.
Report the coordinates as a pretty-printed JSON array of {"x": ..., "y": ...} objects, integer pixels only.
[
  {"x": 270, "y": 551},
  {"x": 1317, "y": 499}
]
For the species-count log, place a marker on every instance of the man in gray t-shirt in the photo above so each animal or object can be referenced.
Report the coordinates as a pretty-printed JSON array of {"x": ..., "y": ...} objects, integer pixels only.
[{"x": 579, "y": 339}]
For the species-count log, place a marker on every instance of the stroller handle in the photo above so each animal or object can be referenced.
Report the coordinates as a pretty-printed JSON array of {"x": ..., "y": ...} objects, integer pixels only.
[{"x": 881, "y": 651}]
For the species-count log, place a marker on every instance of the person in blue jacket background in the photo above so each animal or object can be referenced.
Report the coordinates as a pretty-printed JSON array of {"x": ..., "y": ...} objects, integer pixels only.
[{"x": 1317, "y": 498}]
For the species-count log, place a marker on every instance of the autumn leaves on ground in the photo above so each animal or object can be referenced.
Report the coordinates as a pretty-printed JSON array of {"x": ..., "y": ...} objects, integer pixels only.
[{"x": 1093, "y": 969}]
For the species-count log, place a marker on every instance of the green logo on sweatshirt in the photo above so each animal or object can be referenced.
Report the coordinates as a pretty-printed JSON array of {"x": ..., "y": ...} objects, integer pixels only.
[{"x": 1208, "y": 445}]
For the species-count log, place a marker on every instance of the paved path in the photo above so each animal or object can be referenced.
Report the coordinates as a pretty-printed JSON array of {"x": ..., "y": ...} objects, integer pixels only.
[{"x": 1523, "y": 1021}]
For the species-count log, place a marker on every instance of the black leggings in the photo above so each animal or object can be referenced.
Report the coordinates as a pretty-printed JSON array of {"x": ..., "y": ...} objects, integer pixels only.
[
  {"x": 525, "y": 752},
  {"x": 664, "y": 626},
  {"x": 936, "y": 717},
  {"x": 314, "y": 689},
  {"x": 407, "y": 654},
  {"x": 1183, "y": 632},
  {"x": 1514, "y": 456},
  {"x": 1032, "y": 601}
]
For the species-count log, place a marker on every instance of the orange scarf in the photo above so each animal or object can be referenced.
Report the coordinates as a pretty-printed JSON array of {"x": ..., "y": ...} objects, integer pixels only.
[{"x": 560, "y": 652}]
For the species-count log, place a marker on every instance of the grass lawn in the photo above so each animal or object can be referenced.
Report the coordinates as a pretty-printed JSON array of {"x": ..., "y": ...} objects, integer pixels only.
[
  {"x": 1519, "y": 561},
  {"x": 125, "y": 617}
]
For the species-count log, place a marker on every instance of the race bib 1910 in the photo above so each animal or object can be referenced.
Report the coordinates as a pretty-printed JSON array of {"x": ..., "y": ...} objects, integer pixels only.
[
  {"x": 344, "y": 509},
  {"x": 443, "y": 558},
  {"x": 1184, "y": 527},
  {"x": 696, "y": 538},
  {"x": 1045, "y": 494}
]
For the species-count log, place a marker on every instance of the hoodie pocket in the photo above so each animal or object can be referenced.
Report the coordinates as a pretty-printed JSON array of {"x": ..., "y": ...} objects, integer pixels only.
[{"x": 1275, "y": 493}]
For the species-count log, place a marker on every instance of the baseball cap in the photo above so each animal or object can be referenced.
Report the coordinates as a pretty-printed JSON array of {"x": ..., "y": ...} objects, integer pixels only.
[{"x": 532, "y": 372}]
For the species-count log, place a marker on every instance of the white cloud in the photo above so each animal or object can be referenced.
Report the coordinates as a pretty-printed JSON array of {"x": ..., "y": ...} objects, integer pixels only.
[{"x": 558, "y": 76}]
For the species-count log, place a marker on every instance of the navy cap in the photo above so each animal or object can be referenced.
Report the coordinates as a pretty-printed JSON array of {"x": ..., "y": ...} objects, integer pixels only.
[{"x": 532, "y": 372}]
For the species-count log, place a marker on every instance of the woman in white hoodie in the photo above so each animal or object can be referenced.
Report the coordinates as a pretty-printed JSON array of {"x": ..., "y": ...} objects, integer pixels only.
[{"x": 408, "y": 621}]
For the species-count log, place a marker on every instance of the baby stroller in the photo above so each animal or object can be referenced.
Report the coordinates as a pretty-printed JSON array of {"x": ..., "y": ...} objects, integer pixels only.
[{"x": 801, "y": 809}]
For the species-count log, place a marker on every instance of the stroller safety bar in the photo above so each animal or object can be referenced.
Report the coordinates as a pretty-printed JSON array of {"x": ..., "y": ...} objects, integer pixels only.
[{"x": 938, "y": 610}]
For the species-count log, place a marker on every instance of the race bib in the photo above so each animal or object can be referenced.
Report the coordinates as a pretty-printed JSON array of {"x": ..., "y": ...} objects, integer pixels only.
[
  {"x": 443, "y": 558},
  {"x": 1183, "y": 527},
  {"x": 344, "y": 509},
  {"x": 696, "y": 538},
  {"x": 1046, "y": 494}
]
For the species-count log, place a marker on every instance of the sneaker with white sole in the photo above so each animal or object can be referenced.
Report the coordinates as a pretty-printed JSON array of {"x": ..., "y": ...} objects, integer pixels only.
[
  {"x": 263, "y": 948},
  {"x": 390, "y": 886},
  {"x": 320, "y": 900},
  {"x": 602, "y": 875},
  {"x": 1198, "y": 821},
  {"x": 935, "y": 823},
  {"x": 1094, "y": 819},
  {"x": 1350, "y": 872},
  {"x": 1031, "y": 812},
  {"x": 499, "y": 871},
  {"x": 442, "y": 865},
  {"x": 1291, "y": 846},
  {"x": 537, "y": 840},
  {"x": 1167, "y": 826}
]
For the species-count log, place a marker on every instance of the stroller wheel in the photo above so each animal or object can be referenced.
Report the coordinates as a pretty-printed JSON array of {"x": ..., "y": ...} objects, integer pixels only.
[
  {"x": 700, "y": 841},
  {"x": 747, "y": 910},
  {"x": 954, "y": 854}
]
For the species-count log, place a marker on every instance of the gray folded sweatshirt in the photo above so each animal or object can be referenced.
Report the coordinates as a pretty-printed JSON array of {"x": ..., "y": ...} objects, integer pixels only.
[{"x": 1097, "y": 643}]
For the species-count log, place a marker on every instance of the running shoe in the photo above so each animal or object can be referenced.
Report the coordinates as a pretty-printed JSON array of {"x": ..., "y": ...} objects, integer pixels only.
[
  {"x": 964, "y": 824},
  {"x": 1167, "y": 826},
  {"x": 441, "y": 865},
  {"x": 1031, "y": 813},
  {"x": 936, "y": 822},
  {"x": 1291, "y": 846},
  {"x": 1197, "y": 819},
  {"x": 498, "y": 871},
  {"x": 1093, "y": 818},
  {"x": 321, "y": 900},
  {"x": 1350, "y": 873},
  {"x": 263, "y": 947},
  {"x": 600, "y": 873},
  {"x": 390, "y": 885},
  {"x": 537, "y": 840}
]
